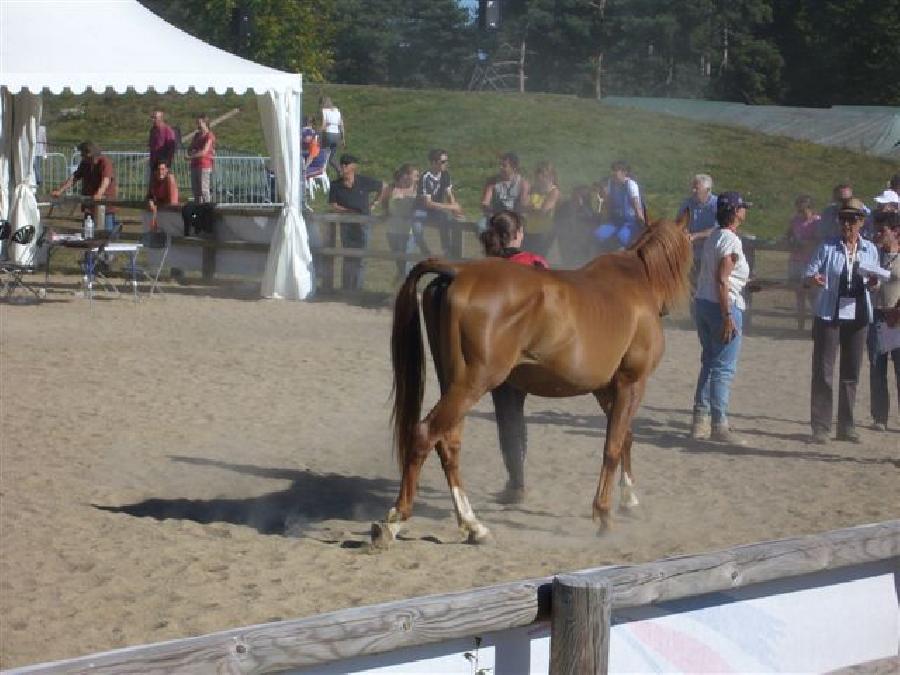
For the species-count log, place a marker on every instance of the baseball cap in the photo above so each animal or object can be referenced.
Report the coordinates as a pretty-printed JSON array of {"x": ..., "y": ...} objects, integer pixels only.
[
  {"x": 347, "y": 158},
  {"x": 853, "y": 206},
  {"x": 888, "y": 197},
  {"x": 730, "y": 201}
]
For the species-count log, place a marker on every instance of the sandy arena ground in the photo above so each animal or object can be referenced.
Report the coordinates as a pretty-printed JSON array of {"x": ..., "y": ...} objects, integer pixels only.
[{"x": 193, "y": 463}]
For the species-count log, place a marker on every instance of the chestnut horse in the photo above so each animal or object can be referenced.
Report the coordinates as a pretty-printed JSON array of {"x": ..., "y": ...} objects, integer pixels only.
[{"x": 593, "y": 330}]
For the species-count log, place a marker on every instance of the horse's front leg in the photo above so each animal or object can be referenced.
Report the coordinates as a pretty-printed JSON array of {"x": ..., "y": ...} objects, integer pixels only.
[
  {"x": 449, "y": 451},
  {"x": 626, "y": 480},
  {"x": 620, "y": 405}
]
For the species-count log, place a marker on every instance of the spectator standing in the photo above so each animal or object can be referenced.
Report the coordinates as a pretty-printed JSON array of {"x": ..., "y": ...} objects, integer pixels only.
[
  {"x": 718, "y": 310},
  {"x": 624, "y": 209},
  {"x": 350, "y": 193},
  {"x": 508, "y": 190},
  {"x": 542, "y": 201},
  {"x": 802, "y": 238},
  {"x": 886, "y": 300},
  {"x": 436, "y": 202},
  {"x": 98, "y": 181},
  {"x": 843, "y": 314},
  {"x": 162, "y": 140},
  {"x": 333, "y": 131},
  {"x": 399, "y": 203},
  {"x": 201, "y": 154},
  {"x": 163, "y": 191},
  {"x": 503, "y": 239},
  {"x": 701, "y": 208}
]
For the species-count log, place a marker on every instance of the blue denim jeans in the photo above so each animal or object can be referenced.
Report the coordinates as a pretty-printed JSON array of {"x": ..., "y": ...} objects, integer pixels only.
[{"x": 718, "y": 360}]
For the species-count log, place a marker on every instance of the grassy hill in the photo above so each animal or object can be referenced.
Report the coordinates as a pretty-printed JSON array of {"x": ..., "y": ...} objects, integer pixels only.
[{"x": 387, "y": 127}]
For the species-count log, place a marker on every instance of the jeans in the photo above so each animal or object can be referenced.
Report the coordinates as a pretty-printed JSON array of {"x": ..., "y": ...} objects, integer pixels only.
[
  {"x": 828, "y": 336},
  {"x": 880, "y": 403},
  {"x": 509, "y": 406},
  {"x": 718, "y": 360},
  {"x": 613, "y": 235}
]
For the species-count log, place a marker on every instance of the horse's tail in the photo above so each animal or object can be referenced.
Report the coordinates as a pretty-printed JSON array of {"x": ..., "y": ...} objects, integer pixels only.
[{"x": 408, "y": 357}]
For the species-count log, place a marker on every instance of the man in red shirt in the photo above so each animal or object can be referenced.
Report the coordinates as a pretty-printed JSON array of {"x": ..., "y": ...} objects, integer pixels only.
[
  {"x": 162, "y": 140},
  {"x": 98, "y": 181}
]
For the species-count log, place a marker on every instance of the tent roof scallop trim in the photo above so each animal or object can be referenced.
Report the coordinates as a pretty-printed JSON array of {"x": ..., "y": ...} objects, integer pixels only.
[{"x": 127, "y": 48}]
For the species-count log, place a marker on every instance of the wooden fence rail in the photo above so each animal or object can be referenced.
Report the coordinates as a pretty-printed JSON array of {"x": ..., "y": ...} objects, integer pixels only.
[{"x": 386, "y": 627}]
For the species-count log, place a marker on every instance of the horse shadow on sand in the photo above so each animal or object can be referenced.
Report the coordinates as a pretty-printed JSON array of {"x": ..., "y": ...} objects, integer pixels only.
[
  {"x": 674, "y": 434},
  {"x": 301, "y": 510}
]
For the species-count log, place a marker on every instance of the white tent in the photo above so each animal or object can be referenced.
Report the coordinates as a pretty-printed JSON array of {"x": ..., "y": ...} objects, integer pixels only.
[{"x": 120, "y": 45}]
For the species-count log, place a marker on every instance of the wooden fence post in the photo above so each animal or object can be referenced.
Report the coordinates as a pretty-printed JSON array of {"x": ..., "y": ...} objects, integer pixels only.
[{"x": 579, "y": 625}]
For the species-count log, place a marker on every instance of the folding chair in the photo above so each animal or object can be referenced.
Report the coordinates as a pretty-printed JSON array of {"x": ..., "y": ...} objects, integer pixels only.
[
  {"x": 153, "y": 241},
  {"x": 316, "y": 176},
  {"x": 13, "y": 272}
]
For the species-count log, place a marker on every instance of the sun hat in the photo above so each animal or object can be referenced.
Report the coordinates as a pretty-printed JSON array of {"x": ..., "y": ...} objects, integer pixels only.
[
  {"x": 853, "y": 206},
  {"x": 888, "y": 197}
]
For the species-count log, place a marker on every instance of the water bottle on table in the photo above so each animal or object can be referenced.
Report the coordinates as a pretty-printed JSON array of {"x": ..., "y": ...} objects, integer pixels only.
[{"x": 88, "y": 227}]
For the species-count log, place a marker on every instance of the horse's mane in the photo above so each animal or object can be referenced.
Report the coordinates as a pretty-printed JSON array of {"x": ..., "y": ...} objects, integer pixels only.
[{"x": 665, "y": 249}]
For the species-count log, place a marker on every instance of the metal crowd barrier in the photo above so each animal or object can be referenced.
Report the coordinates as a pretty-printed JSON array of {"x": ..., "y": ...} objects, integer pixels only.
[{"x": 236, "y": 179}]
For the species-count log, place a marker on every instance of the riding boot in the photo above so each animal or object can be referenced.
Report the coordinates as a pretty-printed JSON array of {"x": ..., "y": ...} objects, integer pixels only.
[{"x": 509, "y": 405}]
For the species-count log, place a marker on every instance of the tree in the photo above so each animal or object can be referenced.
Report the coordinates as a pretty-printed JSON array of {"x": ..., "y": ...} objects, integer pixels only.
[
  {"x": 285, "y": 34},
  {"x": 403, "y": 43},
  {"x": 839, "y": 52}
]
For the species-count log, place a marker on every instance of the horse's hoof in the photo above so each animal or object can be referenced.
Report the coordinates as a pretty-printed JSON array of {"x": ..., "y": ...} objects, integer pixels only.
[
  {"x": 602, "y": 519},
  {"x": 481, "y": 537},
  {"x": 382, "y": 536}
]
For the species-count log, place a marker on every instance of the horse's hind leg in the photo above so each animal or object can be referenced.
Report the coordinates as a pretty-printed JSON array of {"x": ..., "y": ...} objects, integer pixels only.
[
  {"x": 449, "y": 450},
  {"x": 438, "y": 425}
]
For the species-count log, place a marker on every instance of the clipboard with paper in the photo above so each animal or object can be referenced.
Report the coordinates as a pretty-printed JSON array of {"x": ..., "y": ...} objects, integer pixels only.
[
  {"x": 887, "y": 337},
  {"x": 870, "y": 270}
]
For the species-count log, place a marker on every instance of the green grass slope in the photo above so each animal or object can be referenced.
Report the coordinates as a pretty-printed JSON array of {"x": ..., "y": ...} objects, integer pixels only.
[{"x": 387, "y": 127}]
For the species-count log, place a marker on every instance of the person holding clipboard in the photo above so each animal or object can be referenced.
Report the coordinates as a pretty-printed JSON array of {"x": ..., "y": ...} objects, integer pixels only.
[{"x": 842, "y": 267}]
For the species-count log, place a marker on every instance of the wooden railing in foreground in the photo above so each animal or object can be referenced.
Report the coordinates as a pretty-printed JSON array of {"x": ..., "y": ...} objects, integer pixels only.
[{"x": 576, "y": 646}]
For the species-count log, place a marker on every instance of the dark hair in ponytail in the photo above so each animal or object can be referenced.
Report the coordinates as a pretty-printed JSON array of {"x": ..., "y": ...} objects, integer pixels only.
[{"x": 502, "y": 227}]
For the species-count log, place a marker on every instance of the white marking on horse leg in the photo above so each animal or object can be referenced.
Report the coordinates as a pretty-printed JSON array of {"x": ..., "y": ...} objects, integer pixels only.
[
  {"x": 466, "y": 517},
  {"x": 393, "y": 522},
  {"x": 629, "y": 498}
]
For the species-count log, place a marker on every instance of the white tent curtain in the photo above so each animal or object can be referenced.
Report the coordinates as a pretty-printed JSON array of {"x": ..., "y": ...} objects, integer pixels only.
[
  {"x": 288, "y": 272},
  {"x": 23, "y": 209},
  {"x": 6, "y": 100}
]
